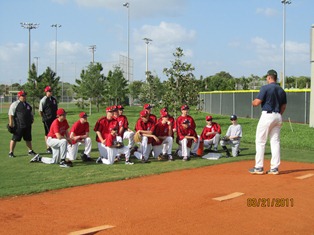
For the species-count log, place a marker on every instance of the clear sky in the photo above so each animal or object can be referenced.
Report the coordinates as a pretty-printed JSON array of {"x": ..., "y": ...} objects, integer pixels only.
[{"x": 242, "y": 37}]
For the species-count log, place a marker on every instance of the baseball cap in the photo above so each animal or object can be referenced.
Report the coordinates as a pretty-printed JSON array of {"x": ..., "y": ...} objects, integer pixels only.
[
  {"x": 164, "y": 114},
  {"x": 109, "y": 109},
  {"x": 184, "y": 107},
  {"x": 163, "y": 110},
  {"x": 120, "y": 107},
  {"x": 21, "y": 93},
  {"x": 114, "y": 108},
  {"x": 143, "y": 113},
  {"x": 209, "y": 118},
  {"x": 233, "y": 117},
  {"x": 147, "y": 106},
  {"x": 47, "y": 89},
  {"x": 60, "y": 112},
  {"x": 186, "y": 121},
  {"x": 272, "y": 72},
  {"x": 83, "y": 115}
]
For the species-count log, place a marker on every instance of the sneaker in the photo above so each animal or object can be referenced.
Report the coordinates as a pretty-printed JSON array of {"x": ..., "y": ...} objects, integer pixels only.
[
  {"x": 257, "y": 171},
  {"x": 11, "y": 154},
  {"x": 161, "y": 157},
  {"x": 63, "y": 164},
  {"x": 193, "y": 154},
  {"x": 31, "y": 153},
  {"x": 215, "y": 149},
  {"x": 273, "y": 171},
  {"x": 49, "y": 150},
  {"x": 185, "y": 159},
  {"x": 129, "y": 163},
  {"x": 99, "y": 161},
  {"x": 116, "y": 159},
  {"x": 37, "y": 158},
  {"x": 170, "y": 158},
  {"x": 84, "y": 157}
]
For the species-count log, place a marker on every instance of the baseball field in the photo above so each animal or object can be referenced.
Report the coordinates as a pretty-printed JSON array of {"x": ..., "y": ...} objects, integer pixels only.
[{"x": 195, "y": 197}]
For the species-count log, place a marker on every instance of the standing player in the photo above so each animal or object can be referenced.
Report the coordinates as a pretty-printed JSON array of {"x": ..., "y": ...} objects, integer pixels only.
[
  {"x": 273, "y": 100},
  {"x": 145, "y": 127},
  {"x": 21, "y": 118},
  {"x": 58, "y": 139},
  {"x": 187, "y": 139},
  {"x": 102, "y": 129},
  {"x": 48, "y": 107},
  {"x": 211, "y": 134},
  {"x": 232, "y": 137},
  {"x": 79, "y": 134},
  {"x": 163, "y": 130}
]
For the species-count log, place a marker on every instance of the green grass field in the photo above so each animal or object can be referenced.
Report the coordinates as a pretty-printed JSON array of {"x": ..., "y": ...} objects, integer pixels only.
[{"x": 18, "y": 176}]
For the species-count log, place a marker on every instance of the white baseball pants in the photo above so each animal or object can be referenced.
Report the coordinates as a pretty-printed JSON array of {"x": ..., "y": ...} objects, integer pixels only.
[{"x": 73, "y": 149}]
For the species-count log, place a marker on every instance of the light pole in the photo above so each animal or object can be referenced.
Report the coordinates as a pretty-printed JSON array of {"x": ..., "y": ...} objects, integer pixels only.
[
  {"x": 29, "y": 26},
  {"x": 127, "y": 5},
  {"x": 147, "y": 41},
  {"x": 284, "y": 2},
  {"x": 56, "y": 44},
  {"x": 36, "y": 58},
  {"x": 93, "y": 49}
]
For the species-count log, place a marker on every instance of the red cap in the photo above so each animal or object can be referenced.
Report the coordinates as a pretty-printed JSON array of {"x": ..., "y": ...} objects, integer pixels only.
[
  {"x": 144, "y": 113},
  {"x": 209, "y": 118},
  {"x": 163, "y": 110},
  {"x": 48, "y": 88},
  {"x": 109, "y": 109},
  {"x": 114, "y": 108},
  {"x": 164, "y": 114},
  {"x": 186, "y": 121},
  {"x": 60, "y": 112},
  {"x": 83, "y": 115},
  {"x": 184, "y": 107},
  {"x": 21, "y": 93},
  {"x": 120, "y": 107},
  {"x": 147, "y": 106}
]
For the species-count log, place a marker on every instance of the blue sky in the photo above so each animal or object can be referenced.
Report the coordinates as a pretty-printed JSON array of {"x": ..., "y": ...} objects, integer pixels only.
[{"x": 241, "y": 37}]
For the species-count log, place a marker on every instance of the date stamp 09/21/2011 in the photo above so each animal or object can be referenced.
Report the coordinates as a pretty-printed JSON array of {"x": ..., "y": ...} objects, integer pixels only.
[{"x": 270, "y": 202}]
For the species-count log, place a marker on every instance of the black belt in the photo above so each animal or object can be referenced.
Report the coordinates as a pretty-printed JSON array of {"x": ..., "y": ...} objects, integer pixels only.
[{"x": 271, "y": 112}]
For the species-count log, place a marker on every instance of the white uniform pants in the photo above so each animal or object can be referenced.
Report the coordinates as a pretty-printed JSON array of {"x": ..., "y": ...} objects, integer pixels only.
[
  {"x": 113, "y": 152},
  {"x": 73, "y": 149},
  {"x": 214, "y": 141},
  {"x": 59, "y": 150},
  {"x": 164, "y": 148},
  {"x": 269, "y": 125},
  {"x": 102, "y": 150},
  {"x": 144, "y": 149},
  {"x": 184, "y": 150},
  {"x": 235, "y": 145}
]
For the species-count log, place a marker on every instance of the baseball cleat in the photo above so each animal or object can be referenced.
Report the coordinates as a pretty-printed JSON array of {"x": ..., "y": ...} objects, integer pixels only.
[
  {"x": 256, "y": 171},
  {"x": 273, "y": 171}
]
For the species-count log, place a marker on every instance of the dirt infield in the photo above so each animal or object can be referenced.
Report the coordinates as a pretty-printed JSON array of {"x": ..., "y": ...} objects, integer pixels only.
[{"x": 179, "y": 202}]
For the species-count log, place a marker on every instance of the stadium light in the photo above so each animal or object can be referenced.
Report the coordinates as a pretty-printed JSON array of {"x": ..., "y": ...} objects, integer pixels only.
[
  {"x": 284, "y": 2},
  {"x": 147, "y": 41}
]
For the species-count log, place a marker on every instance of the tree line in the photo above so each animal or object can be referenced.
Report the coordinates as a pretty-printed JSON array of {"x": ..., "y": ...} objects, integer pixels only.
[{"x": 180, "y": 87}]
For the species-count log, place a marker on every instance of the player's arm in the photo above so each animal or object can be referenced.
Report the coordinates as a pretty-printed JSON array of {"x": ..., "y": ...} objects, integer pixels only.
[
  {"x": 256, "y": 102},
  {"x": 283, "y": 108}
]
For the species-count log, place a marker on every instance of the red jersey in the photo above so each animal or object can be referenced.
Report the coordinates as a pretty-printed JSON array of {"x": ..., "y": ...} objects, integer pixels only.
[
  {"x": 111, "y": 140},
  {"x": 103, "y": 125},
  {"x": 79, "y": 128},
  {"x": 170, "y": 119},
  {"x": 182, "y": 132},
  {"x": 215, "y": 127},
  {"x": 181, "y": 118},
  {"x": 153, "y": 118},
  {"x": 148, "y": 126},
  {"x": 161, "y": 130},
  {"x": 58, "y": 127},
  {"x": 123, "y": 124}
]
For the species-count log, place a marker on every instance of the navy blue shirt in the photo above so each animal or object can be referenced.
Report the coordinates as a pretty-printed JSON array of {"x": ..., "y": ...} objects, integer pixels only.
[{"x": 272, "y": 97}]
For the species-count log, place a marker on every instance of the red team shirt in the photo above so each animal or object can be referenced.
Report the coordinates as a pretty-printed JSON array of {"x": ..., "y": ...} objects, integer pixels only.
[
  {"x": 182, "y": 118},
  {"x": 213, "y": 128},
  {"x": 103, "y": 125},
  {"x": 58, "y": 127},
  {"x": 149, "y": 126},
  {"x": 161, "y": 130},
  {"x": 110, "y": 140},
  {"x": 122, "y": 122},
  {"x": 153, "y": 118},
  {"x": 79, "y": 128},
  {"x": 182, "y": 132}
]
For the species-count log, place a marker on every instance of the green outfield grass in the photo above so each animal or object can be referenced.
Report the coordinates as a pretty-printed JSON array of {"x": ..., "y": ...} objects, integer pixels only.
[{"x": 18, "y": 176}]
